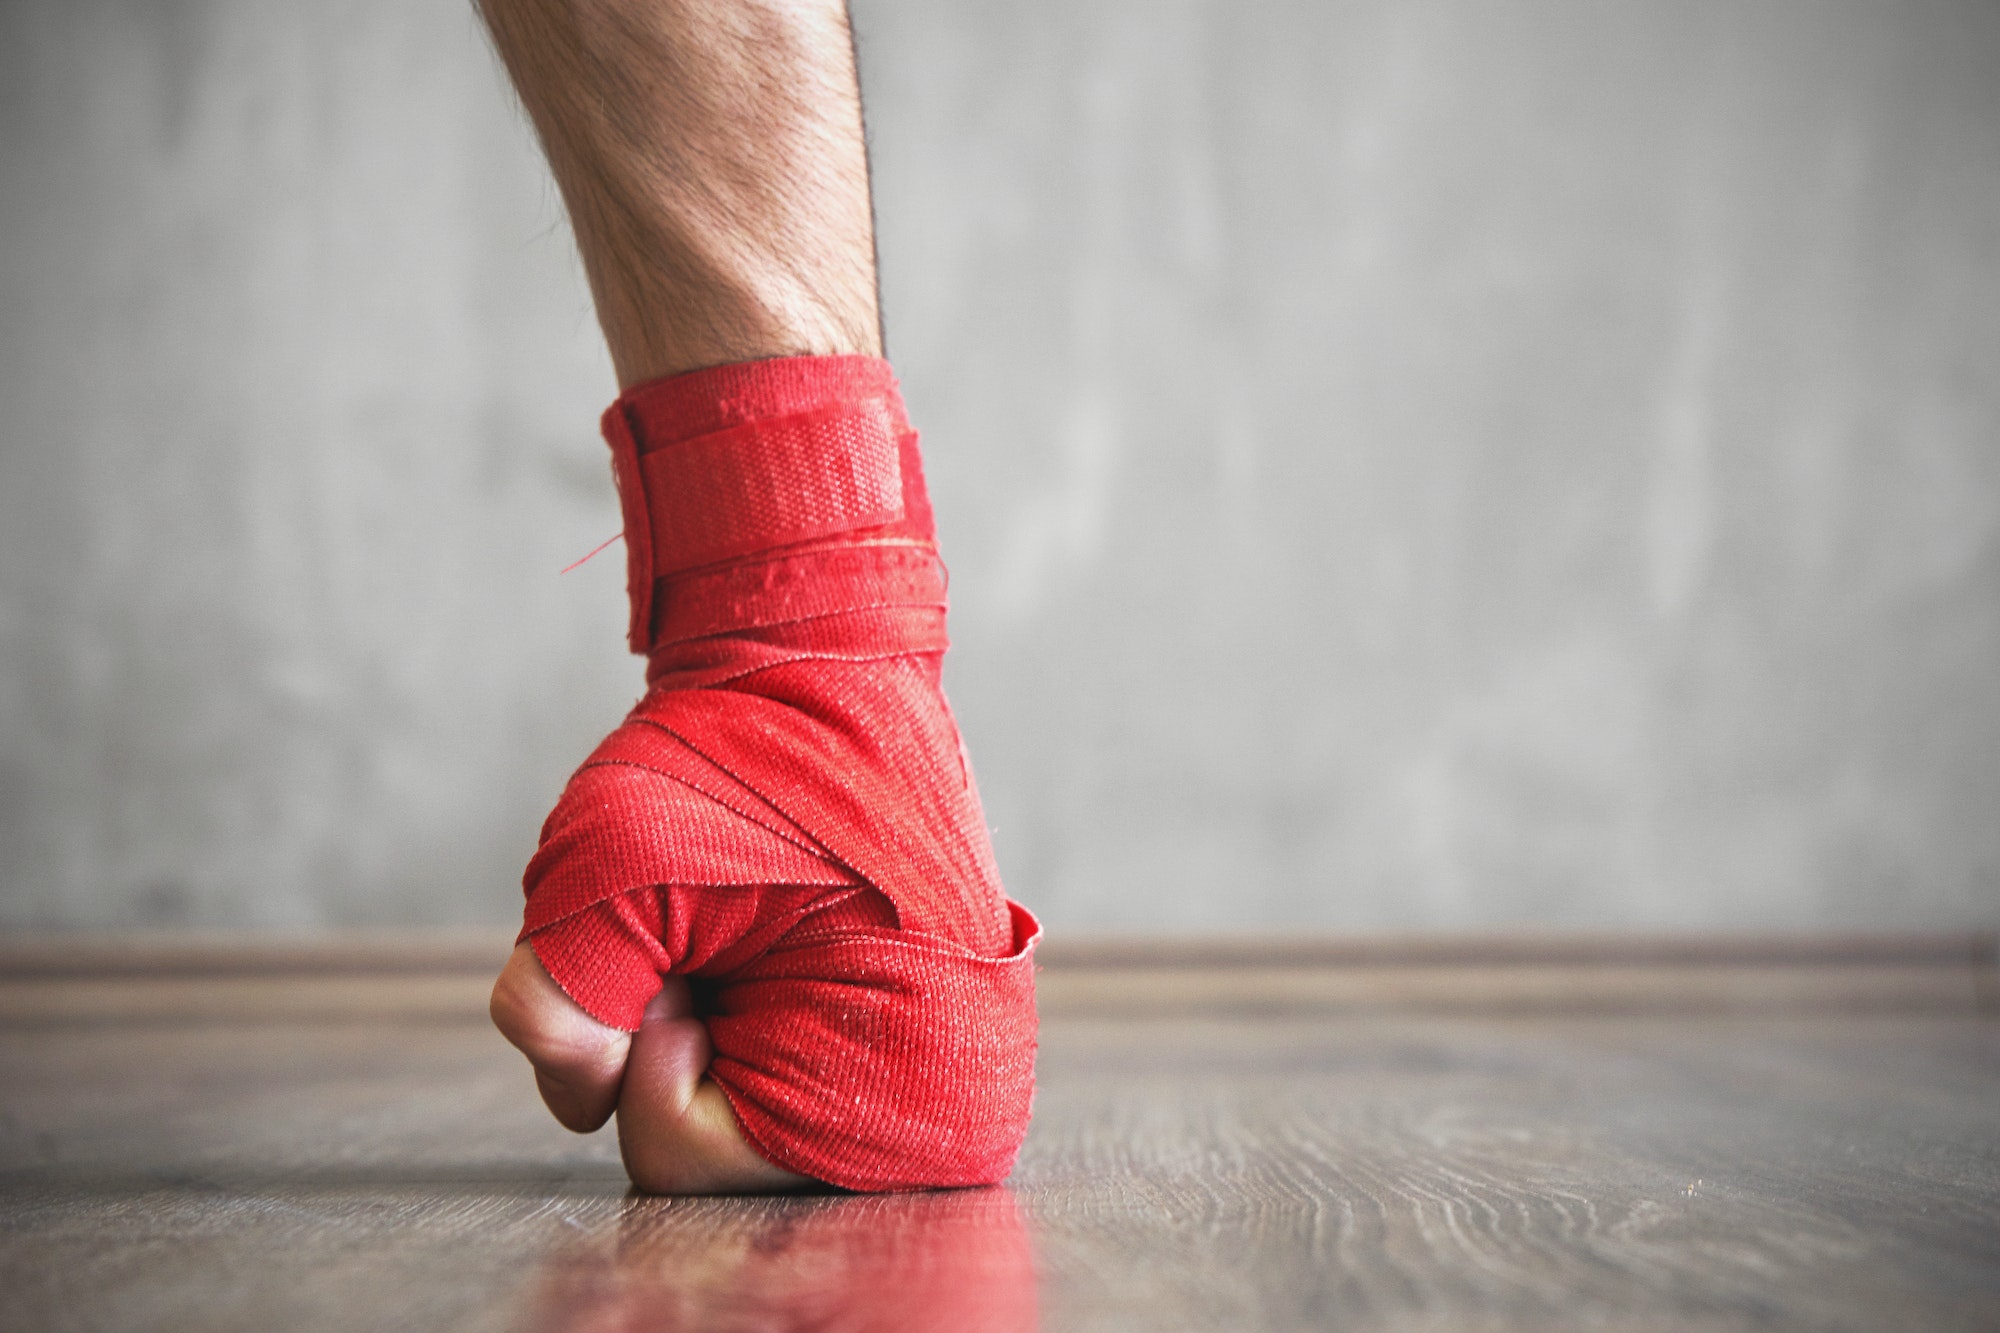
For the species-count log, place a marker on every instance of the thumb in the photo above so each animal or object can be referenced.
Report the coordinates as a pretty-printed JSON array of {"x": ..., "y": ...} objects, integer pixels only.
[
  {"x": 670, "y": 1051},
  {"x": 676, "y": 1129}
]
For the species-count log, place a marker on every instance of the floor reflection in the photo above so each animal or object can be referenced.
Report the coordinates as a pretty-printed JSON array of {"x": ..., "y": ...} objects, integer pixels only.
[{"x": 955, "y": 1260}]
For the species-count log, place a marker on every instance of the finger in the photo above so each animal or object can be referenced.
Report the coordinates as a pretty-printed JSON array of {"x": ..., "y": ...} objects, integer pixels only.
[
  {"x": 579, "y": 1062},
  {"x": 676, "y": 1129}
]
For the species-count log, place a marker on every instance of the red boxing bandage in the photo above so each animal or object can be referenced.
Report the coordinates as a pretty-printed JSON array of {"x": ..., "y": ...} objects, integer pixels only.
[{"x": 787, "y": 817}]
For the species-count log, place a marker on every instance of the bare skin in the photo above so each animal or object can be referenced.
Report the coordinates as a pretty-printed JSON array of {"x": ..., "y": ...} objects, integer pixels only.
[
  {"x": 710, "y": 155},
  {"x": 676, "y": 1130}
]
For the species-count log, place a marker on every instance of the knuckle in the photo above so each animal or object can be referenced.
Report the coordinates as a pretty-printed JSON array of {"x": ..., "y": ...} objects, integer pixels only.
[
  {"x": 558, "y": 1038},
  {"x": 515, "y": 1013}
]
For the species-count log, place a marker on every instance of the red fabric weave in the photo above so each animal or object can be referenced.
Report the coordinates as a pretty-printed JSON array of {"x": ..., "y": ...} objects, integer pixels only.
[{"x": 787, "y": 817}]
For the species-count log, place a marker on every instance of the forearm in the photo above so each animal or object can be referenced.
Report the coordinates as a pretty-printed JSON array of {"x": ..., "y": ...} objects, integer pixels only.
[{"x": 710, "y": 154}]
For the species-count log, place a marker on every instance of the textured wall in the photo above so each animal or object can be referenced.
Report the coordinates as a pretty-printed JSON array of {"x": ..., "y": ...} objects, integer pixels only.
[{"x": 1402, "y": 463}]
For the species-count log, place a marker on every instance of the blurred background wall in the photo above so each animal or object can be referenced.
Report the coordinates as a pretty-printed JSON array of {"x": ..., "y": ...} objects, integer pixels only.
[{"x": 1414, "y": 463}]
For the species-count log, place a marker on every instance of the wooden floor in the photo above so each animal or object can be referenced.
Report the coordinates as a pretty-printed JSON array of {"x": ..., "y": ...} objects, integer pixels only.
[{"x": 1321, "y": 1142}]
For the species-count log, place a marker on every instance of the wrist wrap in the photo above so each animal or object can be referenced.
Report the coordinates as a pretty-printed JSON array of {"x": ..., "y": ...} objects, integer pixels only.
[{"x": 787, "y": 816}]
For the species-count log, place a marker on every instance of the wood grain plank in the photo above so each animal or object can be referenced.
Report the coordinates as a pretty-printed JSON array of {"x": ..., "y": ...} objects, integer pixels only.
[
  {"x": 1522, "y": 948},
  {"x": 446, "y": 974},
  {"x": 348, "y": 1145},
  {"x": 249, "y": 998},
  {"x": 1547, "y": 989},
  {"x": 211, "y": 954},
  {"x": 1383, "y": 1172},
  {"x": 483, "y": 949},
  {"x": 1076, "y": 991}
]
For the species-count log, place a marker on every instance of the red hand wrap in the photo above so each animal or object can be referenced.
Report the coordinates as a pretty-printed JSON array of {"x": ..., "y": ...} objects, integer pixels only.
[{"x": 787, "y": 816}]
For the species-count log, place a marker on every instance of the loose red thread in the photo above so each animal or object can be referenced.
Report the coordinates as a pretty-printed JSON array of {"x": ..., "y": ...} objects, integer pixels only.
[{"x": 595, "y": 551}]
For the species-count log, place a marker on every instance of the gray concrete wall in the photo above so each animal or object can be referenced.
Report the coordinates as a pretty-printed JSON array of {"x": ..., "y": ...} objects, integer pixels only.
[{"x": 1406, "y": 463}]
